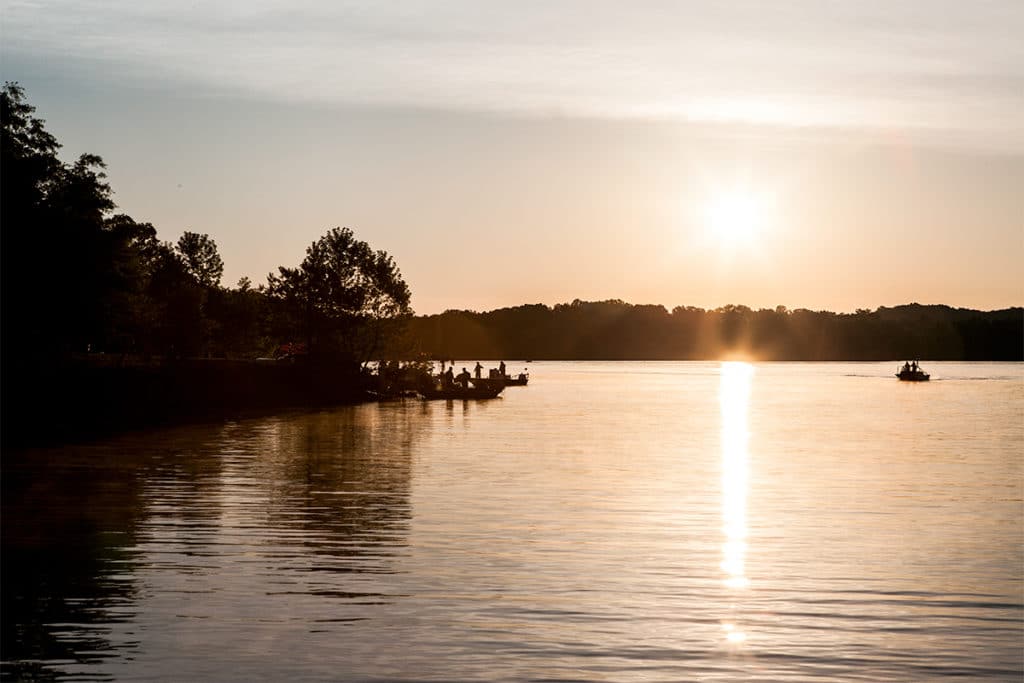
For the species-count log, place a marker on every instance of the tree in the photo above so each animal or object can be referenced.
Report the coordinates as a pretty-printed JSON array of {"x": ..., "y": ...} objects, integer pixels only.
[
  {"x": 28, "y": 168},
  {"x": 61, "y": 289},
  {"x": 238, "y": 320},
  {"x": 29, "y": 155},
  {"x": 177, "y": 298},
  {"x": 75, "y": 278},
  {"x": 201, "y": 259},
  {"x": 344, "y": 296}
]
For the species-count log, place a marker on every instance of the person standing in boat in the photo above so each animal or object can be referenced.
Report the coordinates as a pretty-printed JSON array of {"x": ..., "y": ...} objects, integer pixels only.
[
  {"x": 447, "y": 378},
  {"x": 478, "y": 369},
  {"x": 463, "y": 378},
  {"x": 501, "y": 368}
]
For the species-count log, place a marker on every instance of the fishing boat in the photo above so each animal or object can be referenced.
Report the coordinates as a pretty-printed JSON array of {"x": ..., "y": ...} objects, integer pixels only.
[
  {"x": 912, "y": 372},
  {"x": 492, "y": 382},
  {"x": 498, "y": 376},
  {"x": 519, "y": 380}
]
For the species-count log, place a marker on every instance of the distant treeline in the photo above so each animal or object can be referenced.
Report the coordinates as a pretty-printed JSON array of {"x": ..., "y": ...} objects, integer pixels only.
[{"x": 614, "y": 330}]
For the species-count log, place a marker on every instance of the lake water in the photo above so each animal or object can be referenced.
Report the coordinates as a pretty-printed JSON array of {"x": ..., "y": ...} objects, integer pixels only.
[{"x": 609, "y": 522}]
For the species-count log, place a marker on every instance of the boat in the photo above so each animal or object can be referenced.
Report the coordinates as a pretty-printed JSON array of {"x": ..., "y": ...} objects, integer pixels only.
[
  {"x": 498, "y": 376},
  {"x": 458, "y": 392},
  {"x": 912, "y": 372},
  {"x": 519, "y": 380},
  {"x": 488, "y": 382}
]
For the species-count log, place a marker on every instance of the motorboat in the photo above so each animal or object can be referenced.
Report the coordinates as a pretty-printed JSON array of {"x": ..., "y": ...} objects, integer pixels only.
[
  {"x": 519, "y": 380},
  {"x": 912, "y": 372}
]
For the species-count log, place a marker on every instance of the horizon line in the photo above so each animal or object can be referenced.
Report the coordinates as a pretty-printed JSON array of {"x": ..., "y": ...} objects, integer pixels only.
[{"x": 669, "y": 310}]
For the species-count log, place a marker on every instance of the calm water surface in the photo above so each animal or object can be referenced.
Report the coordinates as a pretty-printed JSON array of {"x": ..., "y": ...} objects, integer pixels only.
[{"x": 609, "y": 522}]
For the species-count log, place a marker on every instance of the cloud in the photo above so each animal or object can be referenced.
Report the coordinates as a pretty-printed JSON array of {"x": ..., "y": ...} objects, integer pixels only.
[{"x": 940, "y": 68}]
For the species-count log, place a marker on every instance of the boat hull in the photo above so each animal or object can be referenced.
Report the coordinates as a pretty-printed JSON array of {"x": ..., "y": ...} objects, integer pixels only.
[
  {"x": 913, "y": 376},
  {"x": 461, "y": 393}
]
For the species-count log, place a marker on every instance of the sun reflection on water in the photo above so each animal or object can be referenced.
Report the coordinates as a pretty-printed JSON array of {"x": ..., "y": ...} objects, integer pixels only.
[{"x": 734, "y": 400}]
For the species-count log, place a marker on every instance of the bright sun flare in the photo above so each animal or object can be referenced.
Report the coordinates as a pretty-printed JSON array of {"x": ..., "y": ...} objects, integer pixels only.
[{"x": 734, "y": 219}]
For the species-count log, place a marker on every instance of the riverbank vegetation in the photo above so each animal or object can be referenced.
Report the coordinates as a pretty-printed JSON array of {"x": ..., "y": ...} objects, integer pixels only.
[
  {"x": 79, "y": 278},
  {"x": 106, "y": 325}
]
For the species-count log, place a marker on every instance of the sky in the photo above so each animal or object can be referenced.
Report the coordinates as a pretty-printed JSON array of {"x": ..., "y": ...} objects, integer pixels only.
[{"x": 814, "y": 154}]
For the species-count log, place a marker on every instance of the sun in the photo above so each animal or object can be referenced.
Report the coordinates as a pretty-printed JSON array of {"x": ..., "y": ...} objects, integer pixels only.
[{"x": 734, "y": 218}]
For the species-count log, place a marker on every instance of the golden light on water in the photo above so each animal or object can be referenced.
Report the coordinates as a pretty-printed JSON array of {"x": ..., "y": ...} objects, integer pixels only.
[
  {"x": 734, "y": 400},
  {"x": 732, "y": 635}
]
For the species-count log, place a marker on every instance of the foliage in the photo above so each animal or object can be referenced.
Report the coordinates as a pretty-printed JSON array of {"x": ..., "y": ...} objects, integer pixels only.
[
  {"x": 614, "y": 330},
  {"x": 78, "y": 278},
  {"x": 59, "y": 288},
  {"x": 199, "y": 254},
  {"x": 342, "y": 296}
]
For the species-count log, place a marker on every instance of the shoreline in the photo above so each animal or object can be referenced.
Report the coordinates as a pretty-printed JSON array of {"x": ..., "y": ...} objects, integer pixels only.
[
  {"x": 63, "y": 404},
  {"x": 85, "y": 399}
]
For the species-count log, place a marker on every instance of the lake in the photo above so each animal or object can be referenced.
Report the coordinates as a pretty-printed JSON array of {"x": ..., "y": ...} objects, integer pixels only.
[{"x": 655, "y": 521}]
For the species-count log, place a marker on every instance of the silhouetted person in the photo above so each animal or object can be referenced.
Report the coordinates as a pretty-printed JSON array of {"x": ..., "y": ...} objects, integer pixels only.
[
  {"x": 477, "y": 369},
  {"x": 463, "y": 378},
  {"x": 447, "y": 378},
  {"x": 501, "y": 368}
]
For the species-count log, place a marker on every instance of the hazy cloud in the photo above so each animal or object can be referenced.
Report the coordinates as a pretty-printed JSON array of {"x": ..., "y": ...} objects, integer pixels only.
[{"x": 943, "y": 68}]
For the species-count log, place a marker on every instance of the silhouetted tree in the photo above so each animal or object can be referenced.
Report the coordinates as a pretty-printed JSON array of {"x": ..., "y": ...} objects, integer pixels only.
[
  {"x": 344, "y": 296},
  {"x": 242, "y": 319},
  {"x": 134, "y": 249},
  {"x": 201, "y": 259},
  {"x": 178, "y": 301},
  {"x": 29, "y": 154},
  {"x": 61, "y": 284}
]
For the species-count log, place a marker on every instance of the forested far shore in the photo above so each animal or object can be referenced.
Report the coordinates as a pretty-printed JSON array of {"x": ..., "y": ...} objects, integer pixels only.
[{"x": 615, "y": 330}]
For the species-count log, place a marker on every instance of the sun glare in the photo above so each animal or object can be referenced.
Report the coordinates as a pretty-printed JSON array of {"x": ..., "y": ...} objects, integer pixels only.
[{"x": 734, "y": 219}]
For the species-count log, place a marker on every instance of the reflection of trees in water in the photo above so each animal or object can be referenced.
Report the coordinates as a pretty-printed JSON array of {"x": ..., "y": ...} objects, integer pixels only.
[
  {"x": 342, "y": 478},
  {"x": 73, "y": 521},
  {"x": 69, "y": 523},
  {"x": 182, "y": 482},
  {"x": 325, "y": 492}
]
